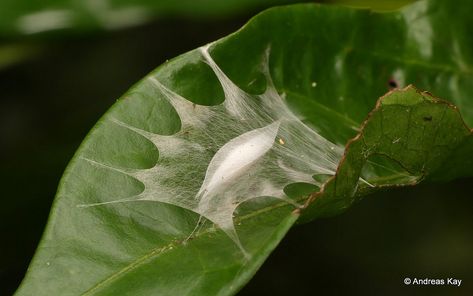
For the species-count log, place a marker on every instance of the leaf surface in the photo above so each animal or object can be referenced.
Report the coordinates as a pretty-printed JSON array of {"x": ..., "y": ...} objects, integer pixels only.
[{"x": 121, "y": 223}]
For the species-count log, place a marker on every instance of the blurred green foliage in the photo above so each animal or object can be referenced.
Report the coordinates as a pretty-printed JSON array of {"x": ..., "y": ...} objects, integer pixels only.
[
  {"x": 30, "y": 17},
  {"x": 23, "y": 17},
  {"x": 27, "y": 27}
]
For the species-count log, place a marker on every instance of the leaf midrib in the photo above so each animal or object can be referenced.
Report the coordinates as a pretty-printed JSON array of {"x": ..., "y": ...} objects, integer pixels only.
[{"x": 161, "y": 250}]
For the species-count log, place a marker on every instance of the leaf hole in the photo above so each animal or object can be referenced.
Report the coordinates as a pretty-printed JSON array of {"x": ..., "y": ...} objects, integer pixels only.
[{"x": 428, "y": 118}]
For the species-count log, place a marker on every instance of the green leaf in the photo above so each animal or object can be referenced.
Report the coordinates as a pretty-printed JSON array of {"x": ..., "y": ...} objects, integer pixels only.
[
  {"x": 142, "y": 208},
  {"x": 418, "y": 132},
  {"x": 378, "y": 5}
]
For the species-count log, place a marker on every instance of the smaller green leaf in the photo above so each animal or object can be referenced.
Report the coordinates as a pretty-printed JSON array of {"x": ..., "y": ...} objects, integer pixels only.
[{"x": 415, "y": 130}]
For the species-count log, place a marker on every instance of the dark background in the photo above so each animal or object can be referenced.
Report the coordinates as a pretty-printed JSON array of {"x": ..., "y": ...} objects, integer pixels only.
[{"x": 50, "y": 101}]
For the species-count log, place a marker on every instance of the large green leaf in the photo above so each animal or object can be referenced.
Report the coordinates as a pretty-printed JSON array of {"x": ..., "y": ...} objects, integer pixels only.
[{"x": 124, "y": 220}]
